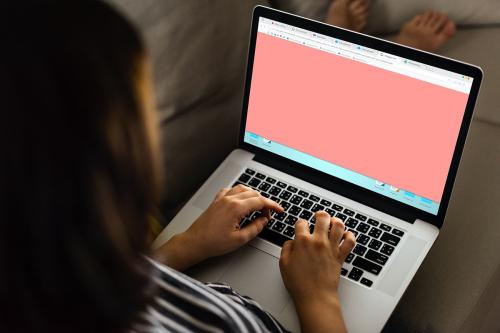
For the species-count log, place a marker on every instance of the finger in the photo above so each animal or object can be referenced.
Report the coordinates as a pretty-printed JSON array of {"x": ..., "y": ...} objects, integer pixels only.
[
  {"x": 286, "y": 251},
  {"x": 337, "y": 231},
  {"x": 322, "y": 224},
  {"x": 347, "y": 245},
  {"x": 251, "y": 230},
  {"x": 246, "y": 194},
  {"x": 221, "y": 193},
  {"x": 260, "y": 203},
  {"x": 301, "y": 228},
  {"x": 238, "y": 189}
]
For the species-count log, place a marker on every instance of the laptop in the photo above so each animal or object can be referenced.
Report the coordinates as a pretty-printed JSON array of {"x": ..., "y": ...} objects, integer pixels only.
[{"x": 370, "y": 131}]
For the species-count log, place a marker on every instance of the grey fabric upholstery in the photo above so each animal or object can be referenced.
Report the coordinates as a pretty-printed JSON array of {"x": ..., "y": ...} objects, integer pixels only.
[{"x": 198, "y": 49}]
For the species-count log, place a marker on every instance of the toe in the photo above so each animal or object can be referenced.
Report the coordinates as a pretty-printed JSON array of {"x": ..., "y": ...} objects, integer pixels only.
[
  {"x": 358, "y": 6},
  {"x": 449, "y": 28},
  {"x": 427, "y": 17},
  {"x": 438, "y": 22},
  {"x": 415, "y": 21}
]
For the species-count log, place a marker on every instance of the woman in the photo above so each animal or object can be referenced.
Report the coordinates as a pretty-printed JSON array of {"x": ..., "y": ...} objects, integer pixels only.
[{"x": 80, "y": 176}]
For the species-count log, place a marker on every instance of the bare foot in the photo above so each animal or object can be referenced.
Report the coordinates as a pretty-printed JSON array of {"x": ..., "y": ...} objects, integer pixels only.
[
  {"x": 427, "y": 31},
  {"x": 349, "y": 14}
]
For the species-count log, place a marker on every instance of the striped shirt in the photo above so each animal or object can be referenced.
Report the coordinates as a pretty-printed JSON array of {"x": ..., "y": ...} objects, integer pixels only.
[{"x": 182, "y": 304}]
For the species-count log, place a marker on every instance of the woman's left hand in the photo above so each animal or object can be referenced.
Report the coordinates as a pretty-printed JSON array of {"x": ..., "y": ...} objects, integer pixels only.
[{"x": 217, "y": 231}]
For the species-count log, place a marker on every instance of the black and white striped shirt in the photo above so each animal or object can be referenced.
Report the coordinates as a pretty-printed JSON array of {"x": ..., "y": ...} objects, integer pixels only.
[{"x": 183, "y": 304}]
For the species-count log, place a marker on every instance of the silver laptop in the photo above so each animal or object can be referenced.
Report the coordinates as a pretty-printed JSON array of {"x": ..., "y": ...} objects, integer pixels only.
[{"x": 367, "y": 130}]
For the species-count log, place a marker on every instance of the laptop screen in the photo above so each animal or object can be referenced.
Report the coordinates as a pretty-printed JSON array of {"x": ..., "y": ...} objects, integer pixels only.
[{"x": 371, "y": 118}]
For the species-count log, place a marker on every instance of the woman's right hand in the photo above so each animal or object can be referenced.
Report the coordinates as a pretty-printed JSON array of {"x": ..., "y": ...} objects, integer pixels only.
[{"x": 310, "y": 266}]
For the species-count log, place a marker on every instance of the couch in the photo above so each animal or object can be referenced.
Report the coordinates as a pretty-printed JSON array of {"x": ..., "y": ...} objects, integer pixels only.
[{"x": 198, "y": 49}]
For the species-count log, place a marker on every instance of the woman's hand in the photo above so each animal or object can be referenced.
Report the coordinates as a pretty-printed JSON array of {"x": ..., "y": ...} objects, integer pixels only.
[
  {"x": 310, "y": 266},
  {"x": 217, "y": 231}
]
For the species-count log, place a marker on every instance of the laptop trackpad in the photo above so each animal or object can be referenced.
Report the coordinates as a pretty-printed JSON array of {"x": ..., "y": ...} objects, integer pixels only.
[{"x": 257, "y": 274}]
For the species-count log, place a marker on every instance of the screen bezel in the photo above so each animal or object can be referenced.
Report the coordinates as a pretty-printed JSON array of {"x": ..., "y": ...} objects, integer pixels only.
[{"x": 342, "y": 187}]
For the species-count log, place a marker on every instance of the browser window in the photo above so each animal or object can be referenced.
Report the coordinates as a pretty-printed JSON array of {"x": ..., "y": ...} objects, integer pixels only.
[{"x": 374, "y": 119}]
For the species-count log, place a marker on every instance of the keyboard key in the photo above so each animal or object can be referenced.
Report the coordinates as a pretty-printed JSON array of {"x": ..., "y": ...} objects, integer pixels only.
[
  {"x": 361, "y": 217},
  {"x": 264, "y": 187},
  {"x": 313, "y": 198},
  {"x": 285, "y": 205},
  {"x": 366, "y": 282},
  {"x": 341, "y": 216},
  {"x": 295, "y": 199},
  {"x": 363, "y": 228},
  {"x": 289, "y": 231},
  {"x": 306, "y": 215},
  {"x": 275, "y": 199},
  {"x": 271, "y": 180},
  {"x": 337, "y": 207},
  {"x": 375, "y": 244},
  {"x": 376, "y": 257},
  {"x": 387, "y": 249},
  {"x": 373, "y": 222},
  {"x": 270, "y": 223},
  {"x": 349, "y": 258},
  {"x": 285, "y": 195},
  {"x": 244, "y": 178},
  {"x": 290, "y": 220},
  {"x": 303, "y": 194},
  {"x": 359, "y": 250},
  {"x": 330, "y": 211},
  {"x": 260, "y": 176},
  {"x": 390, "y": 239},
  {"x": 363, "y": 239},
  {"x": 294, "y": 210},
  {"x": 355, "y": 274},
  {"x": 292, "y": 189},
  {"x": 311, "y": 228},
  {"x": 349, "y": 212},
  {"x": 255, "y": 215},
  {"x": 265, "y": 195},
  {"x": 278, "y": 226},
  {"x": 317, "y": 207},
  {"x": 250, "y": 172},
  {"x": 326, "y": 203},
  {"x": 275, "y": 190},
  {"x": 306, "y": 204},
  {"x": 398, "y": 232},
  {"x": 375, "y": 232},
  {"x": 343, "y": 272},
  {"x": 351, "y": 223},
  {"x": 254, "y": 182},
  {"x": 280, "y": 216},
  {"x": 385, "y": 227},
  {"x": 244, "y": 222},
  {"x": 281, "y": 184},
  {"x": 367, "y": 265}
]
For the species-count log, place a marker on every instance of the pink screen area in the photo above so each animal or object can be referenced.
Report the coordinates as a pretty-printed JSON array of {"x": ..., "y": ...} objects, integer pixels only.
[{"x": 387, "y": 126}]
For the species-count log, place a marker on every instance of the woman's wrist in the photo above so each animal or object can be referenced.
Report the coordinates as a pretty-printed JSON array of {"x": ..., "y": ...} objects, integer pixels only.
[
  {"x": 320, "y": 313},
  {"x": 179, "y": 252}
]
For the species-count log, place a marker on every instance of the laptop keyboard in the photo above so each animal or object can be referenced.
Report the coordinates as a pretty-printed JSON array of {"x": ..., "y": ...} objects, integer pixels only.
[{"x": 375, "y": 241}]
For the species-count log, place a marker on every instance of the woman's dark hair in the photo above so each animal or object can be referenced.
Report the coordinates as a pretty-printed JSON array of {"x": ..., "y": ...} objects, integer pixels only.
[{"x": 77, "y": 169}]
